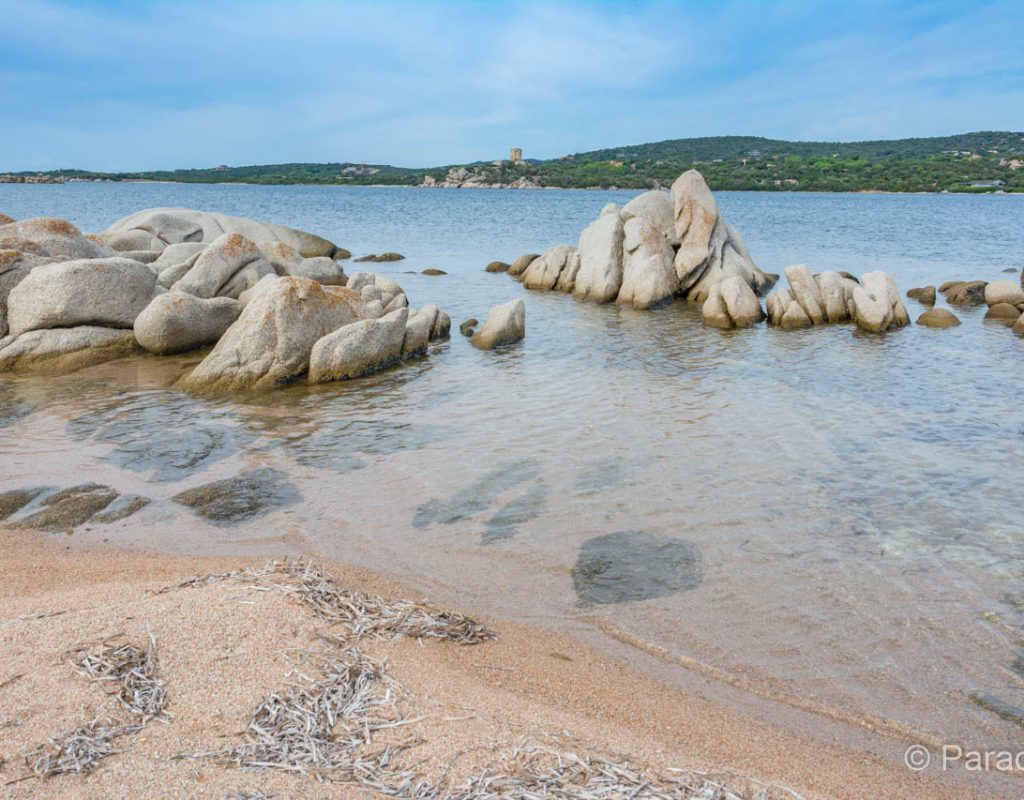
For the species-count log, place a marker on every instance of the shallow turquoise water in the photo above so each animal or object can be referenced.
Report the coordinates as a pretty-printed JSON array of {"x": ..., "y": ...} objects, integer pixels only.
[{"x": 827, "y": 514}]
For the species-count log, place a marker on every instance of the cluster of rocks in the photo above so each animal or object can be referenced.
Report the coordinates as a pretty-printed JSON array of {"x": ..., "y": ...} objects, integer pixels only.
[
  {"x": 464, "y": 178},
  {"x": 172, "y": 280},
  {"x": 1005, "y": 301},
  {"x": 872, "y": 302},
  {"x": 659, "y": 246}
]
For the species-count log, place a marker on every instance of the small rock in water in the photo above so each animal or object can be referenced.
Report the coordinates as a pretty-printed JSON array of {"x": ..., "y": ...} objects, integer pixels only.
[
  {"x": 69, "y": 508},
  {"x": 633, "y": 565},
  {"x": 468, "y": 328},
  {"x": 432, "y": 271},
  {"x": 925, "y": 294},
  {"x": 938, "y": 318},
  {"x": 497, "y": 266},
  {"x": 233, "y": 500},
  {"x": 1010, "y": 269},
  {"x": 504, "y": 324},
  {"x": 16, "y": 499},
  {"x": 1003, "y": 313},
  {"x": 379, "y": 258},
  {"x": 964, "y": 293}
]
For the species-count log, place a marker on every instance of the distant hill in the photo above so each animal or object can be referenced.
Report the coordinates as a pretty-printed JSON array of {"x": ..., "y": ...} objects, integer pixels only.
[{"x": 970, "y": 162}]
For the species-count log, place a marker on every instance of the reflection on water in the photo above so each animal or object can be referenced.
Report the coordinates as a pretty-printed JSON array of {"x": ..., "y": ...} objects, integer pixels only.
[{"x": 828, "y": 514}]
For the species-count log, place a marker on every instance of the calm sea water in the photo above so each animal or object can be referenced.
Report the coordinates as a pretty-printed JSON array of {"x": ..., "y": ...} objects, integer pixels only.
[{"x": 819, "y": 518}]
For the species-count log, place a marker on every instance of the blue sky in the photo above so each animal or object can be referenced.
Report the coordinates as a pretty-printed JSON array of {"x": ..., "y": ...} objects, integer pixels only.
[{"x": 146, "y": 85}]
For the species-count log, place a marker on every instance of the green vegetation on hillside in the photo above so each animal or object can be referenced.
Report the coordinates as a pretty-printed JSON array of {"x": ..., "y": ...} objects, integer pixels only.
[{"x": 949, "y": 163}]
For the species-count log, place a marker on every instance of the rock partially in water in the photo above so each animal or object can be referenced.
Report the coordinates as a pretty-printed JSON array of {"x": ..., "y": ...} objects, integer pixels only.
[
  {"x": 121, "y": 508},
  {"x": 504, "y": 324},
  {"x": 383, "y": 257},
  {"x": 69, "y": 508},
  {"x": 544, "y": 272},
  {"x": 599, "y": 276},
  {"x": 1003, "y": 313},
  {"x": 633, "y": 565},
  {"x": 359, "y": 348},
  {"x": 14, "y": 500},
  {"x": 964, "y": 293},
  {"x": 731, "y": 304},
  {"x": 519, "y": 266},
  {"x": 877, "y": 305},
  {"x": 497, "y": 266},
  {"x": 508, "y": 519},
  {"x": 468, "y": 327},
  {"x": 433, "y": 271},
  {"x": 1009, "y": 292},
  {"x": 244, "y": 497},
  {"x": 648, "y": 274},
  {"x": 938, "y": 318},
  {"x": 63, "y": 350},
  {"x": 924, "y": 294}
]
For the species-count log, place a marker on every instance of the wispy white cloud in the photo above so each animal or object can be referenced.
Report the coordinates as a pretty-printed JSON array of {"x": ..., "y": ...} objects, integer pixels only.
[{"x": 113, "y": 85}]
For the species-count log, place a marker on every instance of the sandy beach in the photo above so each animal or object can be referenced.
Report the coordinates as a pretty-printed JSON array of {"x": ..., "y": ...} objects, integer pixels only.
[{"x": 223, "y": 645}]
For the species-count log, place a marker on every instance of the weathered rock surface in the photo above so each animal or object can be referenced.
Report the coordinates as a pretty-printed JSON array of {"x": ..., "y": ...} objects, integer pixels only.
[
  {"x": 67, "y": 509},
  {"x": 731, "y": 304},
  {"x": 1018, "y": 326},
  {"x": 657, "y": 208},
  {"x": 518, "y": 267},
  {"x": 175, "y": 322},
  {"x": 695, "y": 219},
  {"x": 836, "y": 294},
  {"x": 60, "y": 350},
  {"x": 1004, "y": 292},
  {"x": 599, "y": 277},
  {"x": 504, "y": 324},
  {"x": 48, "y": 236},
  {"x": 359, "y": 348},
  {"x": 229, "y": 266},
  {"x": 107, "y": 292},
  {"x": 6, "y": 219},
  {"x": 648, "y": 274},
  {"x": 924, "y": 294},
  {"x": 246, "y": 496},
  {"x": 418, "y": 327},
  {"x": 938, "y": 318},
  {"x": 173, "y": 225},
  {"x": 785, "y": 312},
  {"x": 877, "y": 305},
  {"x": 543, "y": 272},
  {"x": 964, "y": 293},
  {"x": 270, "y": 343}
]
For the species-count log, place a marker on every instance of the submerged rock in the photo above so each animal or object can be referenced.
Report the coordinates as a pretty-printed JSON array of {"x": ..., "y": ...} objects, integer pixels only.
[
  {"x": 433, "y": 272},
  {"x": 497, "y": 266},
  {"x": 122, "y": 508},
  {"x": 69, "y": 508},
  {"x": 504, "y": 324},
  {"x": 244, "y": 497},
  {"x": 632, "y": 565},
  {"x": 11, "y": 502}
]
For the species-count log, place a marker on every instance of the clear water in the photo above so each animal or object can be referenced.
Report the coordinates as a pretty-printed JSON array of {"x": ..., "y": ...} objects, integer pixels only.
[{"x": 823, "y": 518}]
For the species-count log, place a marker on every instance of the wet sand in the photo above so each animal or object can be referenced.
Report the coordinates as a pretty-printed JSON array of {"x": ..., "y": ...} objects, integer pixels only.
[{"x": 224, "y": 646}]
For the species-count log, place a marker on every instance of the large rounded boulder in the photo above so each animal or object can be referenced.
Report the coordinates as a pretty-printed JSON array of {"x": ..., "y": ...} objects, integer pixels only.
[
  {"x": 106, "y": 292},
  {"x": 175, "y": 322},
  {"x": 270, "y": 343}
]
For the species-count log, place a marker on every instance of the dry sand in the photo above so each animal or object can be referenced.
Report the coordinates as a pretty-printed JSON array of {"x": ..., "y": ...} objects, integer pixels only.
[{"x": 223, "y": 646}]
